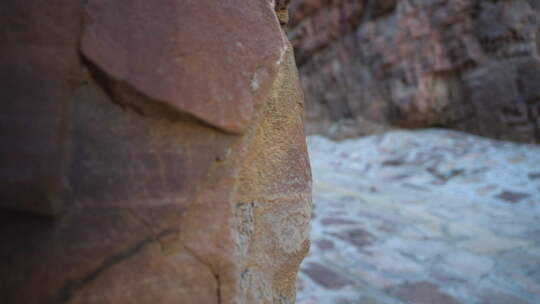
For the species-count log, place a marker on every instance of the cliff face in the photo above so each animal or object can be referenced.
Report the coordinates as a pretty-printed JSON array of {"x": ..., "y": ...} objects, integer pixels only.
[
  {"x": 152, "y": 152},
  {"x": 463, "y": 64}
]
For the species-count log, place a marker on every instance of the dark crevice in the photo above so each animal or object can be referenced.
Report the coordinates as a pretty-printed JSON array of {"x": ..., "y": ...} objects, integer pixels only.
[
  {"x": 71, "y": 286},
  {"x": 218, "y": 289},
  {"x": 382, "y": 8},
  {"x": 99, "y": 78},
  {"x": 124, "y": 95},
  {"x": 366, "y": 13},
  {"x": 534, "y": 121}
]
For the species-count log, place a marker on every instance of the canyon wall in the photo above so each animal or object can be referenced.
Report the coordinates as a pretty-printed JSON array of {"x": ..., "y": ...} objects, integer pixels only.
[
  {"x": 152, "y": 152},
  {"x": 370, "y": 65}
]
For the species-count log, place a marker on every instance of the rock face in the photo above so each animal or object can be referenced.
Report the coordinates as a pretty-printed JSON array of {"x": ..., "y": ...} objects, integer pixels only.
[
  {"x": 468, "y": 65},
  {"x": 152, "y": 152}
]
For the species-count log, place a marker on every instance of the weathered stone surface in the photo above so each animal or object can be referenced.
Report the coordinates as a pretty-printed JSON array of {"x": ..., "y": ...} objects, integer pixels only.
[
  {"x": 469, "y": 65},
  {"x": 37, "y": 67},
  {"x": 187, "y": 62},
  {"x": 186, "y": 182}
]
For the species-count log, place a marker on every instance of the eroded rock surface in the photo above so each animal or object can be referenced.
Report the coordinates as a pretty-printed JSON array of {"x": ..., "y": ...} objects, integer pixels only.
[
  {"x": 468, "y": 65},
  {"x": 152, "y": 152}
]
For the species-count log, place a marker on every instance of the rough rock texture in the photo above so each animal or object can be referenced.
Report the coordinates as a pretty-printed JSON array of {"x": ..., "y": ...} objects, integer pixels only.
[
  {"x": 469, "y": 65},
  {"x": 152, "y": 152}
]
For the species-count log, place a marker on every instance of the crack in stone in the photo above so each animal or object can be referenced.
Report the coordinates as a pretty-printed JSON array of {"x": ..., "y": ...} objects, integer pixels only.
[
  {"x": 210, "y": 268},
  {"x": 149, "y": 227},
  {"x": 71, "y": 286},
  {"x": 218, "y": 289},
  {"x": 137, "y": 101}
]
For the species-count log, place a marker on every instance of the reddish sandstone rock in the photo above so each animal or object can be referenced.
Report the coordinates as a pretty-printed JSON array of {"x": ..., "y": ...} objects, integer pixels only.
[
  {"x": 468, "y": 65},
  {"x": 185, "y": 181},
  {"x": 185, "y": 62}
]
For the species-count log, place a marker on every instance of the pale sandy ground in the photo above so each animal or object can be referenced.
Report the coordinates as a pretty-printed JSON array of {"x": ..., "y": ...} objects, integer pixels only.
[{"x": 429, "y": 216}]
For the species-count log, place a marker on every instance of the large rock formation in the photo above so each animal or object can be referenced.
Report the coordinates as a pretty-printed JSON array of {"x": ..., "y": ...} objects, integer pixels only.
[
  {"x": 463, "y": 64},
  {"x": 152, "y": 152}
]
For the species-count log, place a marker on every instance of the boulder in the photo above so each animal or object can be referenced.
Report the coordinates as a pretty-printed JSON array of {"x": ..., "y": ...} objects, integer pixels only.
[{"x": 156, "y": 153}]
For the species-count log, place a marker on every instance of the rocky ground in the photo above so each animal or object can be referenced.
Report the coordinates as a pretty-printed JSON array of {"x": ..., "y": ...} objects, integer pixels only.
[{"x": 429, "y": 216}]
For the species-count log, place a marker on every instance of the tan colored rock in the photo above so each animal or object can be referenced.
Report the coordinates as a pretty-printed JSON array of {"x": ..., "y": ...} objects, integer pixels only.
[{"x": 185, "y": 182}]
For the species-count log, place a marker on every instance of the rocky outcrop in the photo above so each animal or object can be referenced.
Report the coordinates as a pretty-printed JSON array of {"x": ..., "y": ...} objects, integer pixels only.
[
  {"x": 468, "y": 65},
  {"x": 152, "y": 152}
]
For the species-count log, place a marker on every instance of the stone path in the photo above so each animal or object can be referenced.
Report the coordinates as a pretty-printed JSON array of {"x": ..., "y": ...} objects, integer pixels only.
[{"x": 430, "y": 216}]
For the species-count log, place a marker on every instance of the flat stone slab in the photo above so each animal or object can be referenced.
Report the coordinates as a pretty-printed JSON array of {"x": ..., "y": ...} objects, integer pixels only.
[
  {"x": 326, "y": 277},
  {"x": 421, "y": 293}
]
